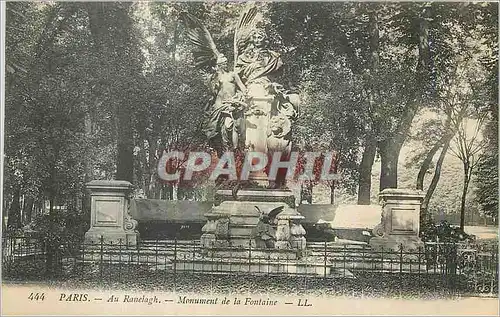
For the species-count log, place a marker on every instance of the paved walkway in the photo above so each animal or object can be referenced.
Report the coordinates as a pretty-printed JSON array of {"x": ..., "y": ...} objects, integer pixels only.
[{"x": 483, "y": 232}]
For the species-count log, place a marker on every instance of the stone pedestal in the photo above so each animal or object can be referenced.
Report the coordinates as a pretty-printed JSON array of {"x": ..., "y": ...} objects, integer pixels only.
[
  {"x": 256, "y": 126},
  {"x": 110, "y": 217},
  {"x": 290, "y": 233},
  {"x": 215, "y": 231},
  {"x": 240, "y": 214},
  {"x": 400, "y": 220}
]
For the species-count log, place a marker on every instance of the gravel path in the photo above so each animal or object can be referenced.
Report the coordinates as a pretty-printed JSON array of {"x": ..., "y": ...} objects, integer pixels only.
[{"x": 385, "y": 286}]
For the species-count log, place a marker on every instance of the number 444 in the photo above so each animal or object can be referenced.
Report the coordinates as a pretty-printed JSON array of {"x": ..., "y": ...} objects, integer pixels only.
[{"x": 36, "y": 296}]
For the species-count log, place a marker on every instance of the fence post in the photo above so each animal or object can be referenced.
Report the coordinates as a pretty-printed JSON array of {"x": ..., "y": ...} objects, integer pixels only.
[
  {"x": 139, "y": 256},
  {"x": 156, "y": 255},
  {"x": 419, "y": 259},
  {"x": 494, "y": 262},
  {"x": 324, "y": 262},
  {"x": 454, "y": 262},
  {"x": 83, "y": 257},
  {"x": 101, "y": 257},
  {"x": 175, "y": 263},
  {"x": 193, "y": 255},
  {"x": 344, "y": 259},
  {"x": 249, "y": 256},
  {"x": 401, "y": 258},
  {"x": 382, "y": 259},
  {"x": 211, "y": 260},
  {"x": 45, "y": 252},
  {"x": 165, "y": 271},
  {"x": 268, "y": 263},
  {"x": 129, "y": 256},
  {"x": 110, "y": 256},
  {"x": 120, "y": 259},
  {"x": 287, "y": 273}
]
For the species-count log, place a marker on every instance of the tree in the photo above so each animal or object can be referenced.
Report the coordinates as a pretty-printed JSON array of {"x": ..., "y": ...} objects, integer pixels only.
[
  {"x": 458, "y": 99},
  {"x": 389, "y": 66},
  {"x": 459, "y": 85},
  {"x": 467, "y": 147},
  {"x": 174, "y": 94},
  {"x": 328, "y": 120},
  {"x": 114, "y": 41},
  {"x": 487, "y": 170},
  {"x": 41, "y": 135}
]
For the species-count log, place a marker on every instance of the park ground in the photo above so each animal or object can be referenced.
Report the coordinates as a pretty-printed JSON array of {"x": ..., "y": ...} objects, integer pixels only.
[{"x": 320, "y": 304}]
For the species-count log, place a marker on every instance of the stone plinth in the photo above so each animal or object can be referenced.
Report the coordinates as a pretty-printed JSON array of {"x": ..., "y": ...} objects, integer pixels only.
[
  {"x": 216, "y": 230},
  {"x": 257, "y": 195},
  {"x": 234, "y": 218},
  {"x": 400, "y": 221},
  {"x": 110, "y": 218}
]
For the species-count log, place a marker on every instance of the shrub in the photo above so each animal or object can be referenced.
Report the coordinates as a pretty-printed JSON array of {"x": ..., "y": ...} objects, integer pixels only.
[
  {"x": 62, "y": 229},
  {"x": 443, "y": 232}
]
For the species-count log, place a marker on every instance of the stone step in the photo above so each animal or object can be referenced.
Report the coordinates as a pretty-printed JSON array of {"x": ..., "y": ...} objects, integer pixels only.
[{"x": 254, "y": 267}]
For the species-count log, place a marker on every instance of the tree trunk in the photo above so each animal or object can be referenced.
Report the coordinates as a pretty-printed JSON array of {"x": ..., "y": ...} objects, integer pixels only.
[
  {"x": 365, "y": 173},
  {"x": 175, "y": 40},
  {"x": 125, "y": 162},
  {"x": 28, "y": 209},
  {"x": 389, "y": 156},
  {"x": 51, "y": 207},
  {"x": 435, "y": 178},
  {"x": 445, "y": 139},
  {"x": 5, "y": 206},
  {"x": 310, "y": 191},
  {"x": 88, "y": 169},
  {"x": 426, "y": 164},
  {"x": 14, "y": 221},
  {"x": 365, "y": 168},
  {"x": 175, "y": 191},
  {"x": 332, "y": 192},
  {"x": 152, "y": 165},
  {"x": 169, "y": 191},
  {"x": 100, "y": 17},
  {"x": 467, "y": 176},
  {"x": 391, "y": 147},
  {"x": 125, "y": 158},
  {"x": 142, "y": 167}
]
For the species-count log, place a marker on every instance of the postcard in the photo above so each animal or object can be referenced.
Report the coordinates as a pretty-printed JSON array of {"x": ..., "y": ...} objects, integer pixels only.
[{"x": 249, "y": 158}]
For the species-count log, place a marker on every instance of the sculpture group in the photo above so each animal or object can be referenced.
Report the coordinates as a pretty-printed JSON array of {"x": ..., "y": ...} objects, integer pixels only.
[{"x": 249, "y": 111}]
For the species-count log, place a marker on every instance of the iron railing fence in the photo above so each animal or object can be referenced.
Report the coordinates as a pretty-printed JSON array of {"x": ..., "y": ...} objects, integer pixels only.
[{"x": 464, "y": 268}]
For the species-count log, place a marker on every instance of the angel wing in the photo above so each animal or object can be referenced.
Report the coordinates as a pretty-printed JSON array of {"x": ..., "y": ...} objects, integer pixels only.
[
  {"x": 274, "y": 212},
  {"x": 244, "y": 29},
  {"x": 205, "y": 52}
]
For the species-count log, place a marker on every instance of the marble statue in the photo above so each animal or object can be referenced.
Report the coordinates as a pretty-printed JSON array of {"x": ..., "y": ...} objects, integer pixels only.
[{"x": 248, "y": 111}]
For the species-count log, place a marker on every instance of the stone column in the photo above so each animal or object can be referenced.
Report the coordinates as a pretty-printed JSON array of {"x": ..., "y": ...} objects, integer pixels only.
[
  {"x": 110, "y": 217},
  {"x": 400, "y": 221}
]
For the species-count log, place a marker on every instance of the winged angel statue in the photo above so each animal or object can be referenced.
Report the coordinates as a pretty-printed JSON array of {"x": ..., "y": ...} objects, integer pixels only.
[{"x": 248, "y": 110}]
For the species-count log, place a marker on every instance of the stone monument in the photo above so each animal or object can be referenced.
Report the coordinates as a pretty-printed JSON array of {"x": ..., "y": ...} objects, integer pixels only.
[
  {"x": 249, "y": 112},
  {"x": 110, "y": 217},
  {"x": 400, "y": 221}
]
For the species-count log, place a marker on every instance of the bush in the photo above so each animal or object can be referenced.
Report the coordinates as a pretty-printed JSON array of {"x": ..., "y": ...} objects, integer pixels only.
[
  {"x": 62, "y": 229},
  {"x": 443, "y": 232}
]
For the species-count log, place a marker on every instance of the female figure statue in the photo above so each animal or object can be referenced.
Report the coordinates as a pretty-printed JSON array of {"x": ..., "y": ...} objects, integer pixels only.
[{"x": 224, "y": 123}]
